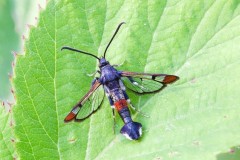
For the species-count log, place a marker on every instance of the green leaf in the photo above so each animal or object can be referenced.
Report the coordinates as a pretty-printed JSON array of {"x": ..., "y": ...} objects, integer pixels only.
[
  {"x": 6, "y": 136},
  {"x": 9, "y": 42},
  {"x": 195, "y": 118}
]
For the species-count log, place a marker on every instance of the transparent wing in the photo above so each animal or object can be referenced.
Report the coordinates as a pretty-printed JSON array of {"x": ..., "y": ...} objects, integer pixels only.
[
  {"x": 143, "y": 83},
  {"x": 88, "y": 105}
]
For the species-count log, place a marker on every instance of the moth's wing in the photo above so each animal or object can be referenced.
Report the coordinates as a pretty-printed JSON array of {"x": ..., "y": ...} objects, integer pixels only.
[
  {"x": 88, "y": 105},
  {"x": 143, "y": 83}
]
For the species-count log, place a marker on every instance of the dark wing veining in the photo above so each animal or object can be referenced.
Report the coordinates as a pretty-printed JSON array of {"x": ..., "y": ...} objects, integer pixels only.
[
  {"x": 88, "y": 105},
  {"x": 143, "y": 83}
]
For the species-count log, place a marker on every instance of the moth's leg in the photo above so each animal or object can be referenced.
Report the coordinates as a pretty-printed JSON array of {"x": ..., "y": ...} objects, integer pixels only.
[
  {"x": 118, "y": 65},
  {"x": 113, "y": 112},
  {"x": 114, "y": 120},
  {"x": 94, "y": 80},
  {"x": 135, "y": 109},
  {"x": 128, "y": 100},
  {"x": 93, "y": 74},
  {"x": 112, "y": 106}
]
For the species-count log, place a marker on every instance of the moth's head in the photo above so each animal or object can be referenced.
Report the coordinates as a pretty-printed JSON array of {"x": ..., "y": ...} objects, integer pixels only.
[{"x": 103, "y": 62}]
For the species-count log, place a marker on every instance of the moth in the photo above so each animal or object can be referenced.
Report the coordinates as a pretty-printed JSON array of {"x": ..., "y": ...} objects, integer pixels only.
[{"x": 113, "y": 84}]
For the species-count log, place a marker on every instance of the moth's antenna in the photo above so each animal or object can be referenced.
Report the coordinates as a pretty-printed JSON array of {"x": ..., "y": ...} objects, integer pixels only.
[
  {"x": 113, "y": 38},
  {"x": 76, "y": 50}
]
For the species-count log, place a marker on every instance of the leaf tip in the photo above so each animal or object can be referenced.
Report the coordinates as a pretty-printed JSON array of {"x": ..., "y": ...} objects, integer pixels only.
[
  {"x": 29, "y": 26},
  {"x": 36, "y": 20},
  {"x": 14, "y": 53},
  {"x": 13, "y": 64},
  {"x": 3, "y": 104},
  {"x": 40, "y": 7},
  {"x": 10, "y": 104},
  {"x": 12, "y": 91},
  {"x": 23, "y": 37}
]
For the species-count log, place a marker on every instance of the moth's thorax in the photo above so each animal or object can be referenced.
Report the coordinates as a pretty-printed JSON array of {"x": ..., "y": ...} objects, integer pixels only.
[{"x": 108, "y": 74}]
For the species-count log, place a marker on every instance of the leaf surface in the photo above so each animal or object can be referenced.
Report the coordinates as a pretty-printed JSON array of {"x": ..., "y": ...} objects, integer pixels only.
[
  {"x": 195, "y": 118},
  {"x": 6, "y": 136}
]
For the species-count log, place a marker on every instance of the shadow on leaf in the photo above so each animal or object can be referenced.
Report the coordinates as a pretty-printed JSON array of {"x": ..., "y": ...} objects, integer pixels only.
[{"x": 232, "y": 154}]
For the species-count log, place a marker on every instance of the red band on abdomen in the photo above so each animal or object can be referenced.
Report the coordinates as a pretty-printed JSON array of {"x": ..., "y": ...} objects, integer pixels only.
[{"x": 120, "y": 104}]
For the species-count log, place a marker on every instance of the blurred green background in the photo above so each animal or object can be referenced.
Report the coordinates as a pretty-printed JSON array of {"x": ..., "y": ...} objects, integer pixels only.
[{"x": 14, "y": 17}]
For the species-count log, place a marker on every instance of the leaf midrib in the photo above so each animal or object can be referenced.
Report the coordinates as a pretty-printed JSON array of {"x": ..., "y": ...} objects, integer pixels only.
[{"x": 54, "y": 81}]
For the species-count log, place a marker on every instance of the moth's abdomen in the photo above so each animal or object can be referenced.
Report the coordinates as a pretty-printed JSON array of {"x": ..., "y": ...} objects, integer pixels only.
[
  {"x": 119, "y": 105},
  {"x": 122, "y": 108},
  {"x": 132, "y": 130}
]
